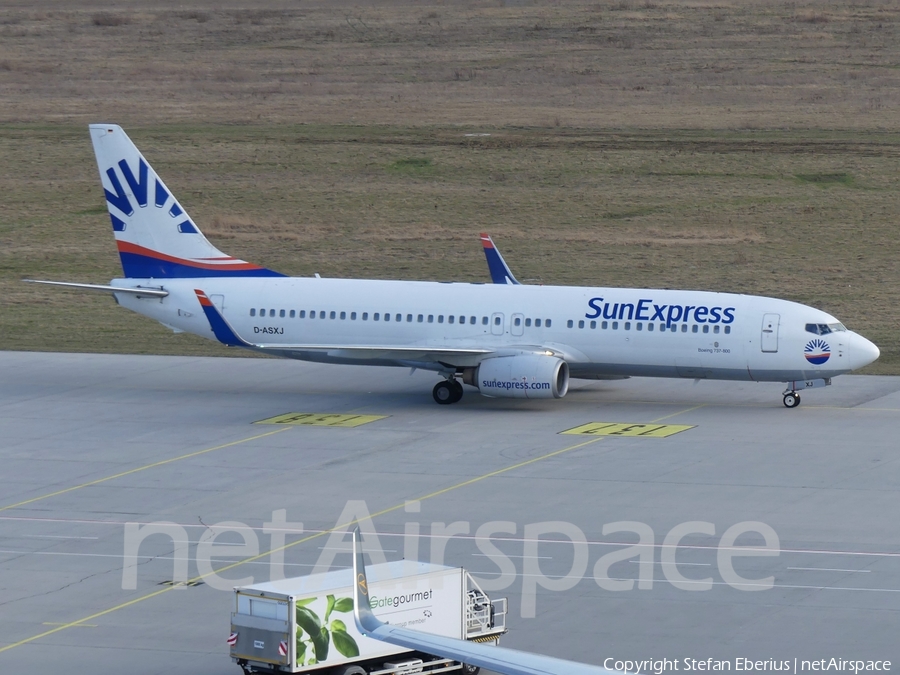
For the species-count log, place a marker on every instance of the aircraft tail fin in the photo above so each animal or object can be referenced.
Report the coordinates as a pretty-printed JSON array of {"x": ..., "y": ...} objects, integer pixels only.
[
  {"x": 155, "y": 236},
  {"x": 500, "y": 272}
]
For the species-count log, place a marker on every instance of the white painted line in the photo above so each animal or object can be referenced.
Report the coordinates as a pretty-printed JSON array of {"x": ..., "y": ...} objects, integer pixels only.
[
  {"x": 53, "y": 536},
  {"x": 828, "y": 569}
]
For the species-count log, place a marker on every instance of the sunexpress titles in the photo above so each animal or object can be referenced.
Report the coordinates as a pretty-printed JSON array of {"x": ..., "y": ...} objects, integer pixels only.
[{"x": 647, "y": 310}]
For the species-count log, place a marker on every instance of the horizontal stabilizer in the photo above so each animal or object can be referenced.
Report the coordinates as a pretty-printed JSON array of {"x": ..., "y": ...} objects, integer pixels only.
[
  {"x": 498, "y": 659},
  {"x": 138, "y": 291}
]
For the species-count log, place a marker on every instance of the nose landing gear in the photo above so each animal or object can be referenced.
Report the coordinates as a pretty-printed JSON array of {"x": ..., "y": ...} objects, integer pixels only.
[{"x": 446, "y": 392}]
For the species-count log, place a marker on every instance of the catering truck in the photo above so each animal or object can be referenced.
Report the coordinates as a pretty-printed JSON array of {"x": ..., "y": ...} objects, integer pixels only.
[{"x": 305, "y": 624}]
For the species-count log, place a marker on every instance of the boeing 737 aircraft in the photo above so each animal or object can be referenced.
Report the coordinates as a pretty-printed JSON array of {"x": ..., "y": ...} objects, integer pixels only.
[
  {"x": 475, "y": 655},
  {"x": 506, "y": 339}
]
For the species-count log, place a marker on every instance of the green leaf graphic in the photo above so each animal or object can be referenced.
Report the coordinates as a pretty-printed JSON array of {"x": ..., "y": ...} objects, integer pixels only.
[
  {"x": 320, "y": 643},
  {"x": 337, "y": 624},
  {"x": 308, "y": 621},
  {"x": 344, "y": 643},
  {"x": 343, "y": 605},
  {"x": 328, "y": 607},
  {"x": 301, "y": 650},
  {"x": 305, "y": 602}
]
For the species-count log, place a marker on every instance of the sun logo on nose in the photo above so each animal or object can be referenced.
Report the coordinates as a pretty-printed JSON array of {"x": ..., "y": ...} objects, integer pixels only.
[{"x": 817, "y": 351}]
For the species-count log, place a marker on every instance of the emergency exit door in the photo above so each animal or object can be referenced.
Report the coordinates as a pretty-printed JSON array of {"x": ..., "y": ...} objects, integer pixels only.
[{"x": 769, "y": 342}]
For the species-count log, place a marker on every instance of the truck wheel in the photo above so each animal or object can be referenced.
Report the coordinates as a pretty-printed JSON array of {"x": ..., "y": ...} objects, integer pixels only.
[
  {"x": 353, "y": 670},
  {"x": 469, "y": 669}
]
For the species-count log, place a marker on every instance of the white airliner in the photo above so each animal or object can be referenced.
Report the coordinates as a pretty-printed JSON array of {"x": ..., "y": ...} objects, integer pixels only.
[
  {"x": 475, "y": 655},
  {"x": 506, "y": 339}
]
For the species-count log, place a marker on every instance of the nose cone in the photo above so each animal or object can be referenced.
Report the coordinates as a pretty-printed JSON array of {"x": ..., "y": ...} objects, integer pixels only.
[{"x": 862, "y": 352}]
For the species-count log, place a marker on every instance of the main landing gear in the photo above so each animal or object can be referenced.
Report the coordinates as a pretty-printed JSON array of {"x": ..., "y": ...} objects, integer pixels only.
[
  {"x": 791, "y": 399},
  {"x": 447, "y": 391}
]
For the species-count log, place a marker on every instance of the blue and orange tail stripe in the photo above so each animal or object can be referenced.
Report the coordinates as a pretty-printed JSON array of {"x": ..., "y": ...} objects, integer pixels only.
[
  {"x": 144, "y": 263},
  {"x": 223, "y": 332}
]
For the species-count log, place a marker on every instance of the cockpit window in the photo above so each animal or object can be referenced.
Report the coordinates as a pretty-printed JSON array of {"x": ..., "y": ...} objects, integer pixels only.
[{"x": 824, "y": 328}]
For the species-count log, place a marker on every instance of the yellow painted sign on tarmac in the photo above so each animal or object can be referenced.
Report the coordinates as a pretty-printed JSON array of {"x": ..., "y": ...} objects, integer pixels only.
[
  {"x": 630, "y": 430},
  {"x": 322, "y": 419}
]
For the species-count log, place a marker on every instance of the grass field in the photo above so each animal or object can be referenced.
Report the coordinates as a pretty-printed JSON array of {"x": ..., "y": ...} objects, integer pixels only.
[{"x": 748, "y": 147}]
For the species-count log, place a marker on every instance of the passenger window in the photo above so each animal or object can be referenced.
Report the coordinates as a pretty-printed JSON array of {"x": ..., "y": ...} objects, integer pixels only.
[
  {"x": 650, "y": 327},
  {"x": 604, "y": 325},
  {"x": 431, "y": 318},
  {"x": 376, "y": 316},
  {"x": 253, "y": 311},
  {"x": 343, "y": 315},
  {"x": 333, "y": 315},
  {"x": 462, "y": 319},
  {"x": 639, "y": 325},
  {"x": 353, "y": 316},
  {"x": 262, "y": 312},
  {"x": 484, "y": 321},
  {"x": 570, "y": 323},
  {"x": 537, "y": 323},
  {"x": 581, "y": 324},
  {"x": 684, "y": 328},
  {"x": 727, "y": 329},
  {"x": 694, "y": 328},
  {"x": 398, "y": 317},
  {"x": 517, "y": 321},
  {"x": 387, "y": 316},
  {"x": 615, "y": 325},
  {"x": 627, "y": 325},
  {"x": 705, "y": 329},
  {"x": 593, "y": 325},
  {"x": 322, "y": 314},
  {"x": 440, "y": 318},
  {"x": 527, "y": 323},
  {"x": 496, "y": 320},
  {"x": 547, "y": 323},
  {"x": 472, "y": 320},
  {"x": 451, "y": 319},
  {"x": 420, "y": 318},
  {"x": 281, "y": 313},
  {"x": 302, "y": 313},
  {"x": 674, "y": 328},
  {"x": 271, "y": 312},
  {"x": 715, "y": 329},
  {"x": 292, "y": 314},
  {"x": 365, "y": 316},
  {"x": 409, "y": 318}
]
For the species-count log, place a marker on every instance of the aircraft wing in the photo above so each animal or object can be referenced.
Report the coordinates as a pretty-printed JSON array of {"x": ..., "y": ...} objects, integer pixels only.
[
  {"x": 498, "y": 659},
  {"x": 500, "y": 272},
  {"x": 228, "y": 336}
]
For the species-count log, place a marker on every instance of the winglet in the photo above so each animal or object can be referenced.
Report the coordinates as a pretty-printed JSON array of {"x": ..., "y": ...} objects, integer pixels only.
[
  {"x": 223, "y": 331},
  {"x": 500, "y": 272},
  {"x": 362, "y": 612}
]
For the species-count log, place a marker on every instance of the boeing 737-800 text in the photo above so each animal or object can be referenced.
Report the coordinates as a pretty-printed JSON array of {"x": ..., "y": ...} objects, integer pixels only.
[{"x": 506, "y": 339}]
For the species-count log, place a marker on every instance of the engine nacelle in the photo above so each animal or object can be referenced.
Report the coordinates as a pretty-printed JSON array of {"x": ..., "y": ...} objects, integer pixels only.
[{"x": 521, "y": 376}]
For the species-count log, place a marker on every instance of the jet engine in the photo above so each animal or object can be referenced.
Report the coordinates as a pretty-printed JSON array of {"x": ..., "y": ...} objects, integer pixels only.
[{"x": 520, "y": 376}]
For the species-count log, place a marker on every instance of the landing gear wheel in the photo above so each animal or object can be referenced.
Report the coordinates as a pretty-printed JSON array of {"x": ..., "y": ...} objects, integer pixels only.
[
  {"x": 352, "y": 670},
  {"x": 791, "y": 399},
  {"x": 469, "y": 669},
  {"x": 444, "y": 392}
]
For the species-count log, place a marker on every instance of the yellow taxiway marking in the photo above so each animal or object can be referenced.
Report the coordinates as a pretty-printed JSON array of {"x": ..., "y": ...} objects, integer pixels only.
[
  {"x": 631, "y": 430},
  {"x": 322, "y": 419},
  {"x": 138, "y": 469},
  {"x": 81, "y": 625},
  {"x": 341, "y": 526}
]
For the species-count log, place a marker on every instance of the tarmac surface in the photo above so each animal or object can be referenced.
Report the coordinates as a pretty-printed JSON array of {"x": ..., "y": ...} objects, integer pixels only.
[{"x": 90, "y": 443}]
